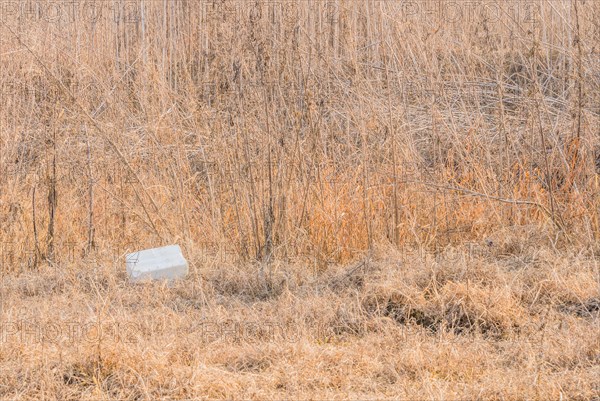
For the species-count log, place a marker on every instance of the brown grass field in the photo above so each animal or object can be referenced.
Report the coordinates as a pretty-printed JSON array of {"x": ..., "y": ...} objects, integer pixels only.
[{"x": 378, "y": 199}]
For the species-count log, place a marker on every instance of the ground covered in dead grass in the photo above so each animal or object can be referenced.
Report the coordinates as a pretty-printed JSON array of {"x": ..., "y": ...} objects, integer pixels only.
[
  {"x": 500, "y": 321},
  {"x": 378, "y": 199}
]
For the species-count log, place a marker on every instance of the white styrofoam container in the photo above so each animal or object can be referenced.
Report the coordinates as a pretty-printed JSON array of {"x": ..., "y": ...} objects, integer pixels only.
[{"x": 166, "y": 262}]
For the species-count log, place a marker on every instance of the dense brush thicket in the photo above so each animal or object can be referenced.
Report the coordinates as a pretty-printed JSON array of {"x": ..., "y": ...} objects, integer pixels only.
[{"x": 276, "y": 129}]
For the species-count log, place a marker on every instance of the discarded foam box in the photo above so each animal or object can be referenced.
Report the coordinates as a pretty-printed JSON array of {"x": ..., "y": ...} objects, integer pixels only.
[{"x": 157, "y": 263}]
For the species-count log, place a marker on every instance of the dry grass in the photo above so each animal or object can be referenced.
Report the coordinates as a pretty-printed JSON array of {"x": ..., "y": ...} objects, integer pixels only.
[
  {"x": 452, "y": 148},
  {"x": 451, "y": 326}
]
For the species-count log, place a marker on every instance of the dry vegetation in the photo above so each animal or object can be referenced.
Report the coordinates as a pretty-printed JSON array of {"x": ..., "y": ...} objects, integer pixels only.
[{"x": 378, "y": 199}]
